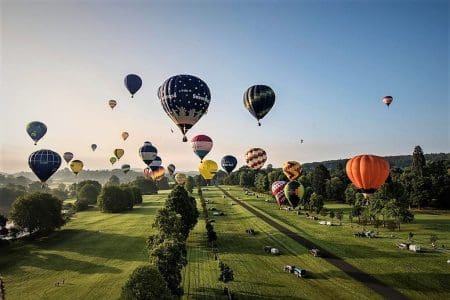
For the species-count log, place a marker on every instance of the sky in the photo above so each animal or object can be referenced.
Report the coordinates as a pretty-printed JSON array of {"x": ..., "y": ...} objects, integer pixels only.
[{"x": 329, "y": 62}]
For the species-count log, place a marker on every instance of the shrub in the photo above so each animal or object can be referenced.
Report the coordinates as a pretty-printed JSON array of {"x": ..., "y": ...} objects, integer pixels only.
[
  {"x": 114, "y": 199},
  {"x": 145, "y": 283},
  {"x": 81, "y": 204},
  {"x": 88, "y": 193}
]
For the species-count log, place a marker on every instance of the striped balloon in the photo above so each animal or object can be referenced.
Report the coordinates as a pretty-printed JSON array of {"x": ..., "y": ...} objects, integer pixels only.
[
  {"x": 148, "y": 153},
  {"x": 171, "y": 169},
  {"x": 154, "y": 165},
  {"x": 258, "y": 100},
  {"x": 112, "y": 103},
  {"x": 125, "y": 168},
  {"x": 256, "y": 158},
  {"x": 278, "y": 192},
  {"x": 292, "y": 170},
  {"x": 201, "y": 144}
]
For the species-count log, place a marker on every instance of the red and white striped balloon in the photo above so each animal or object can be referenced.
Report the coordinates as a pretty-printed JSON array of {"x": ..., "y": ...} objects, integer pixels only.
[
  {"x": 278, "y": 192},
  {"x": 256, "y": 158}
]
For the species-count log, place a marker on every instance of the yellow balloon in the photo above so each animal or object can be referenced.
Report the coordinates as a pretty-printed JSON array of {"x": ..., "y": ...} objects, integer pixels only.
[
  {"x": 292, "y": 169},
  {"x": 76, "y": 166},
  {"x": 125, "y": 135},
  {"x": 180, "y": 178},
  {"x": 208, "y": 169},
  {"x": 119, "y": 153}
]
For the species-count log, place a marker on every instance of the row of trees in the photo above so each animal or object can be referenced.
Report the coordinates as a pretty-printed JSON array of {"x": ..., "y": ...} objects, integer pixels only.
[{"x": 166, "y": 248}]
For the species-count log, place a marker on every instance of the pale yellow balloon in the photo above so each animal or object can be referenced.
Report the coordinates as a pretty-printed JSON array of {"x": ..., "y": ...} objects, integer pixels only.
[
  {"x": 76, "y": 166},
  {"x": 119, "y": 153},
  {"x": 125, "y": 135},
  {"x": 208, "y": 169}
]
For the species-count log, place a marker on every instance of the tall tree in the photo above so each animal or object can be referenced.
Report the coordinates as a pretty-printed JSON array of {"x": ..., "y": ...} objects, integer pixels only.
[
  {"x": 418, "y": 161},
  {"x": 319, "y": 179},
  {"x": 180, "y": 202}
]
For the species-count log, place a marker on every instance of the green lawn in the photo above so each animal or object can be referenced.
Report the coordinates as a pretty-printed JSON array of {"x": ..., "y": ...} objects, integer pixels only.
[
  {"x": 257, "y": 274},
  {"x": 417, "y": 275},
  {"x": 95, "y": 254}
]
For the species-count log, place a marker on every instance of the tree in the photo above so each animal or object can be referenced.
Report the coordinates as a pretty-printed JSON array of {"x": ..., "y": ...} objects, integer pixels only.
[
  {"x": 36, "y": 186},
  {"x": 350, "y": 194},
  {"x": 335, "y": 189},
  {"x": 163, "y": 184},
  {"x": 276, "y": 175},
  {"x": 169, "y": 257},
  {"x": 37, "y": 212},
  {"x": 226, "y": 273},
  {"x": 261, "y": 183},
  {"x": 145, "y": 283},
  {"x": 316, "y": 202},
  {"x": 180, "y": 202},
  {"x": 189, "y": 185},
  {"x": 199, "y": 180},
  {"x": 7, "y": 197},
  {"x": 94, "y": 183},
  {"x": 113, "y": 181},
  {"x": 114, "y": 199},
  {"x": 418, "y": 161},
  {"x": 247, "y": 178},
  {"x": 169, "y": 225},
  {"x": 332, "y": 215},
  {"x": 147, "y": 186},
  {"x": 88, "y": 193},
  {"x": 319, "y": 178},
  {"x": 393, "y": 208}
]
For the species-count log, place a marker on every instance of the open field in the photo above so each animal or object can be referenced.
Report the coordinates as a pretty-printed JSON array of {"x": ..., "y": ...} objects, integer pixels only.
[
  {"x": 95, "y": 254},
  {"x": 259, "y": 275},
  {"x": 416, "y": 275}
]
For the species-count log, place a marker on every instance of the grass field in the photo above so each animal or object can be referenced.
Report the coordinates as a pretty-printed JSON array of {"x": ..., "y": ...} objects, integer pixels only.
[
  {"x": 417, "y": 275},
  {"x": 95, "y": 254},
  {"x": 258, "y": 275}
]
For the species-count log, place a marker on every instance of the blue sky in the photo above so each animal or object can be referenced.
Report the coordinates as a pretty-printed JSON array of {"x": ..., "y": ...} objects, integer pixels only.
[{"x": 329, "y": 63}]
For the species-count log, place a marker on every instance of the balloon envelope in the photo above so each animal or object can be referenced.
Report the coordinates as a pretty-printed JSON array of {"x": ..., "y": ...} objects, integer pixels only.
[
  {"x": 228, "y": 163},
  {"x": 112, "y": 103},
  {"x": 208, "y": 169},
  {"x": 278, "y": 192},
  {"x": 154, "y": 165},
  {"x": 119, "y": 153},
  {"x": 76, "y": 166},
  {"x": 148, "y": 153},
  {"x": 125, "y": 135},
  {"x": 292, "y": 169},
  {"x": 367, "y": 172},
  {"x": 201, "y": 144},
  {"x": 44, "y": 163},
  {"x": 133, "y": 83},
  {"x": 112, "y": 160},
  {"x": 293, "y": 191},
  {"x": 185, "y": 99},
  {"x": 171, "y": 169},
  {"x": 158, "y": 174},
  {"x": 255, "y": 158},
  {"x": 180, "y": 178},
  {"x": 93, "y": 147},
  {"x": 125, "y": 168},
  {"x": 388, "y": 100},
  {"x": 36, "y": 130},
  {"x": 258, "y": 100},
  {"x": 68, "y": 156}
]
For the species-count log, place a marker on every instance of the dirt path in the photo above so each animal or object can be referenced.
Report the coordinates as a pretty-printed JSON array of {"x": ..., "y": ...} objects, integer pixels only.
[{"x": 366, "y": 279}]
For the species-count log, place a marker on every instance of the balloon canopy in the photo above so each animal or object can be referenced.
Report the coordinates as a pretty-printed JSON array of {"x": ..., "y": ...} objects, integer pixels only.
[
  {"x": 68, "y": 156},
  {"x": 201, "y": 144},
  {"x": 133, "y": 83},
  {"x": 294, "y": 191},
  {"x": 258, "y": 100},
  {"x": 228, "y": 163},
  {"x": 292, "y": 169},
  {"x": 278, "y": 192},
  {"x": 112, "y": 103},
  {"x": 367, "y": 172},
  {"x": 36, "y": 130},
  {"x": 148, "y": 153},
  {"x": 388, "y": 100},
  {"x": 44, "y": 163},
  {"x": 76, "y": 166},
  {"x": 119, "y": 153},
  {"x": 171, "y": 169},
  {"x": 125, "y": 135},
  {"x": 208, "y": 169},
  {"x": 255, "y": 158},
  {"x": 112, "y": 160},
  {"x": 93, "y": 147},
  {"x": 125, "y": 168},
  {"x": 154, "y": 165}
]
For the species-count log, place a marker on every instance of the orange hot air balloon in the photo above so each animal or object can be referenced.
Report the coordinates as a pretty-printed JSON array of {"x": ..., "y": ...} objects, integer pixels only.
[
  {"x": 125, "y": 135},
  {"x": 367, "y": 172}
]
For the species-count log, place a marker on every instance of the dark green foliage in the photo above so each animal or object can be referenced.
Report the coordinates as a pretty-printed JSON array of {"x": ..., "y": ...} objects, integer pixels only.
[
  {"x": 261, "y": 183},
  {"x": 226, "y": 273},
  {"x": 163, "y": 184},
  {"x": 199, "y": 180},
  {"x": 115, "y": 199},
  {"x": 247, "y": 177},
  {"x": 81, "y": 204},
  {"x": 319, "y": 178},
  {"x": 180, "y": 202},
  {"x": 113, "y": 181},
  {"x": 316, "y": 202},
  {"x": 189, "y": 185},
  {"x": 3, "y": 221},
  {"x": 335, "y": 189},
  {"x": 145, "y": 283},
  {"x": 40, "y": 212},
  {"x": 276, "y": 175},
  {"x": 332, "y": 214},
  {"x": 88, "y": 193},
  {"x": 350, "y": 194},
  {"x": 147, "y": 187},
  {"x": 418, "y": 161},
  {"x": 96, "y": 184},
  {"x": 169, "y": 225},
  {"x": 7, "y": 197}
]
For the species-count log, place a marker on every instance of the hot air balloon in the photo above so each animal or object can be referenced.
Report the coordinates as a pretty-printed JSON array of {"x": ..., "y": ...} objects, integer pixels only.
[
  {"x": 119, "y": 153},
  {"x": 171, "y": 169},
  {"x": 93, "y": 147},
  {"x": 185, "y": 98},
  {"x": 76, "y": 166},
  {"x": 158, "y": 174},
  {"x": 36, "y": 130},
  {"x": 367, "y": 172},
  {"x": 292, "y": 170},
  {"x": 294, "y": 191},
  {"x": 44, "y": 163},
  {"x": 278, "y": 192},
  {"x": 258, "y": 100},
  {"x": 125, "y": 168},
  {"x": 388, "y": 100},
  {"x": 208, "y": 169},
  {"x": 148, "y": 153},
  {"x": 112, "y": 103},
  {"x": 125, "y": 135},
  {"x": 180, "y": 178},
  {"x": 255, "y": 158},
  {"x": 147, "y": 172},
  {"x": 228, "y": 163},
  {"x": 68, "y": 156},
  {"x": 133, "y": 83},
  {"x": 112, "y": 160},
  {"x": 154, "y": 165},
  {"x": 201, "y": 144}
]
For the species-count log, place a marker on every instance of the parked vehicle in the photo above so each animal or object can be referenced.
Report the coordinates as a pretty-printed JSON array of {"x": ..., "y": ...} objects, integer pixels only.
[
  {"x": 299, "y": 272},
  {"x": 289, "y": 268},
  {"x": 316, "y": 252}
]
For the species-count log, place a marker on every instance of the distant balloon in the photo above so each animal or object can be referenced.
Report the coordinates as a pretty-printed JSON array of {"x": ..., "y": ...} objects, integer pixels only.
[
  {"x": 112, "y": 160},
  {"x": 44, "y": 163},
  {"x": 125, "y": 168},
  {"x": 68, "y": 156},
  {"x": 154, "y": 165},
  {"x": 367, "y": 172},
  {"x": 171, "y": 169},
  {"x": 148, "y": 153},
  {"x": 147, "y": 172},
  {"x": 112, "y": 103},
  {"x": 388, "y": 100},
  {"x": 119, "y": 153},
  {"x": 93, "y": 147},
  {"x": 292, "y": 170},
  {"x": 158, "y": 174},
  {"x": 228, "y": 162},
  {"x": 208, "y": 169},
  {"x": 36, "y": 130},
  {"x": 255, "y": 158},
  {"x": 294, "y": 191},
  {"x": 278, "y": 192},
  {"x": 76, "y": 166},
  {"x": 301, "y": 141},
  {"x": 258, "y": 100},
  {"x": 185, "y": 99},
  {"x": 125, "y": 135},
  {"x": 201, "y": 144},
  {"x": 180, "y": 178},
  {"x": 133, "y": 83}
]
